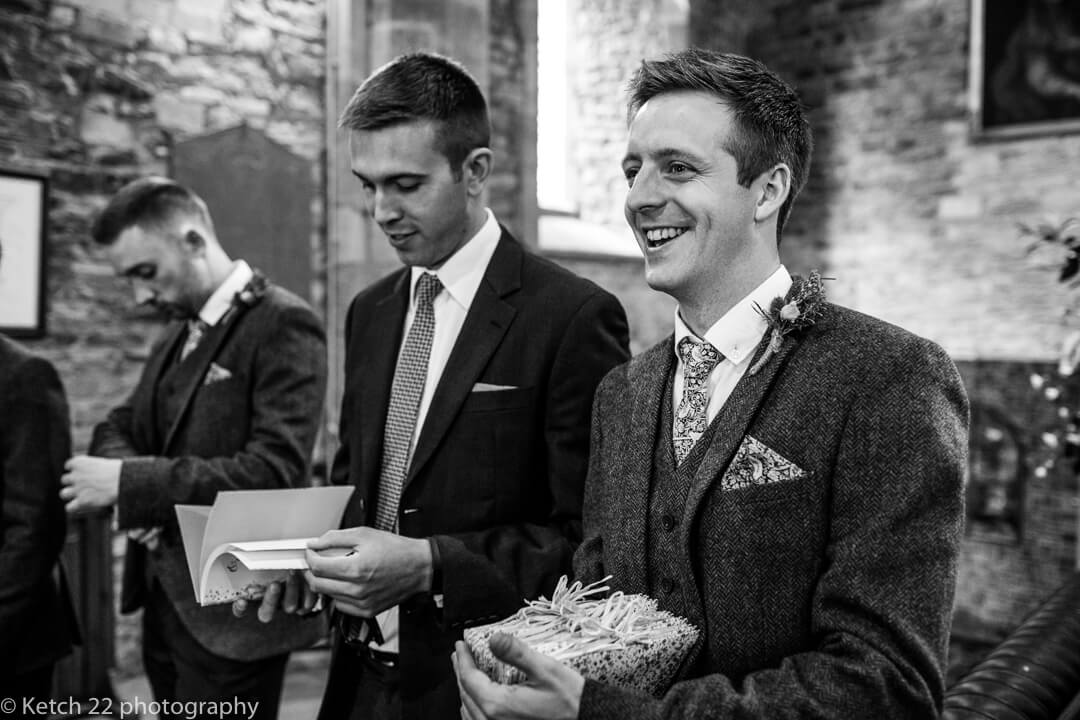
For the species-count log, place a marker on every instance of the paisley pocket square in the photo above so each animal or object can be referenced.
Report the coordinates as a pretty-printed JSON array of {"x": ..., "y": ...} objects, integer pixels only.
[
  {"x": 755, "y": 463},
  {"x": 216, "y": 373}
]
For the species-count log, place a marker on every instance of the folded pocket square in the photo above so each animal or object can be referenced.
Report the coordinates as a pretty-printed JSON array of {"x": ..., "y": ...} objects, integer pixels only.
[
  {"x": 488, "y": 387},
  {"x": 755, "y": 463},
  {"x": 216, "y": 373}
]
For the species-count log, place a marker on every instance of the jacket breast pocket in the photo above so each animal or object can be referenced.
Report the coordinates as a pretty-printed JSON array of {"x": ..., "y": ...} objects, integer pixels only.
[
  {"x": 494, "y": 444},
  {"x": 497, "y": 400}
]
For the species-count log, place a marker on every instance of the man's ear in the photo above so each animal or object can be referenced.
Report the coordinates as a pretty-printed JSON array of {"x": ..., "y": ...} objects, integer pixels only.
[
  {"x": 194, "y": 241},
  {"x": 476, "y": 170},
  {"x": 775, "y": 186}
]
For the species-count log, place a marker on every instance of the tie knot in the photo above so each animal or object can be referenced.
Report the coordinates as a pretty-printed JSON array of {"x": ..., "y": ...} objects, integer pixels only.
[
  {"x": 196, "y": 327},
  {"x": 427, "y": 288},
  {"x": 699, "y": 357}
]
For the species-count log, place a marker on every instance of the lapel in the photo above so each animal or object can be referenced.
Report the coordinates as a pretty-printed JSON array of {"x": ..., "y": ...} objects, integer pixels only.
[
  {"x": 732, "y": 422},
  {"x": 380, "y": 342},
  {"x": 646, "y": 379},
  {"x": 206, "y": 351},
  {"x": 143, "y": 402},
  {"x": 486, "y": 323}
]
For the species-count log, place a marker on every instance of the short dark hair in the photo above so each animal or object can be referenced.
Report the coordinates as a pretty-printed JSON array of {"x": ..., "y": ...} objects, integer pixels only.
[
  {"x": 770, "y": 125},
  {"x": 151, "y": 201},
  {"x": 424, "y": 86}
]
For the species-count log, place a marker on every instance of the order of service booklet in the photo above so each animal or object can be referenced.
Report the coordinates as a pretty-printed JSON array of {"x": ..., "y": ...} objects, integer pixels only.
[{"x": 250, "y": 538}]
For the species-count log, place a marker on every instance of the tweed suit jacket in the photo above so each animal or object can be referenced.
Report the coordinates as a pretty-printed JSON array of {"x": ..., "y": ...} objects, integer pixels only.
[
  {"x": 497, "y": 476},
  {"x": 249, "y": 410},
  {"x": 37, "y": 624},
  {"x": 824, "y": 593}
]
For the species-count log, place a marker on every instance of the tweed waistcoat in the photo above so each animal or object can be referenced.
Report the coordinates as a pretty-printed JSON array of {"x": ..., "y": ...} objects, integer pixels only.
[
  {"x": 668, "y": 491},
  {"x": 169, "y": 391}
]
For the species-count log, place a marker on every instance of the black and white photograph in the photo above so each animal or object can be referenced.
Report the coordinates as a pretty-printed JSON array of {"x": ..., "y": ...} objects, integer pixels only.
[{"x": 540, "y": 359}]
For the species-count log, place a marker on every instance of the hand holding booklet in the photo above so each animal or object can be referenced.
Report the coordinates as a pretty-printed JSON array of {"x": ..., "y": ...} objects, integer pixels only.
[{"x": 250, "y": 538}]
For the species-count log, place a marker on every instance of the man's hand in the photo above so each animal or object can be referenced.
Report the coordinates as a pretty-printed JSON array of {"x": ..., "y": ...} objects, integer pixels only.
[
  {"x": 147, "y": 537},
  {"x": 293, "y": 597},
  {"x": 553, "y": 690},
  {"x": 367, "y": 571},
  {"x": 90, "y": 483}
]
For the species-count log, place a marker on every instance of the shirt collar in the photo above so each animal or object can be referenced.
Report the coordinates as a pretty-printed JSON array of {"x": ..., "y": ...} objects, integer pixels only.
[
  {"x": 737, "y": 333},
  {"x": 221, "y": 299},
  {"x": 462, "y": 272}
]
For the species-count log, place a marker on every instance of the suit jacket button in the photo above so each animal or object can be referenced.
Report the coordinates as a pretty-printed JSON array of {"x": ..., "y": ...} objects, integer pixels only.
[
  {"x": 668, "y": 523},
  {"x": 667, "y": 585}
]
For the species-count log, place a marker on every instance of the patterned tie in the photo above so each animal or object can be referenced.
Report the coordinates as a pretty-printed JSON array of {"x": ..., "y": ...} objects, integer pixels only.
[
  {"x": 691, "y": 417},
  {"x": 195, "y": 330},
  {"x": 405, "y": 392}
]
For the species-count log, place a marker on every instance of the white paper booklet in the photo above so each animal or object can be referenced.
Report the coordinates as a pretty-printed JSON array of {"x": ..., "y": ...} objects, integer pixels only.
[{"x": 250, "y": 538}]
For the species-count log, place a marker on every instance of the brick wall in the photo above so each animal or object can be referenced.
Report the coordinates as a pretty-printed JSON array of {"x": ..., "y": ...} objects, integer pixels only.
[
  {"x": 916, "y": 218},
  {"x": 913, "y": 215}
]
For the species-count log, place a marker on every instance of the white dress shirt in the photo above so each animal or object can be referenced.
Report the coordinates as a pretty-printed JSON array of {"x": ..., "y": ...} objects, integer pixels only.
[
  {"x": 460, "y": 275},
  {"x": 221, "y": 299},
  {"x": 736, "y": 334}
]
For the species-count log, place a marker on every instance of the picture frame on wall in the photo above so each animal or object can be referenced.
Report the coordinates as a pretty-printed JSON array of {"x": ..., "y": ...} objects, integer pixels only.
[
  {"x": 1024, "y": 67},
  {"x": 23, "y": 207}
]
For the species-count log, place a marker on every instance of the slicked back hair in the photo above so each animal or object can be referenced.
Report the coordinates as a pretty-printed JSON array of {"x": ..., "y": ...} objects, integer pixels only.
[
  {"x": 770, "y": 126},
  {"x": 148, "y": 202},
  {"x": 424, "y": 86}
]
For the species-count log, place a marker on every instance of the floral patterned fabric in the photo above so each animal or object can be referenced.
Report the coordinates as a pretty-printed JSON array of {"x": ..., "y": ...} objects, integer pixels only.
[
  {"x": 699, "y": 359},
  {"x": 755, "y": 463}
]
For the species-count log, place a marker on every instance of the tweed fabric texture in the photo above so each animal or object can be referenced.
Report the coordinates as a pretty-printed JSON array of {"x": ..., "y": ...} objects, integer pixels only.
[
  {"x": 405, "y": 392},
  {"x": 254, "y": 430},
  {"x": 827, "y": 596},
  {"x": 691, "y": 418}
]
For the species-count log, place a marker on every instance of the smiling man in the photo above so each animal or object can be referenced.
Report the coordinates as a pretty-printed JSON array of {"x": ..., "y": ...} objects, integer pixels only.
[
  {"x": 783, "y": 472},
  {"x": 229, "y": 399},
  {"x": 469, "y": 379}
]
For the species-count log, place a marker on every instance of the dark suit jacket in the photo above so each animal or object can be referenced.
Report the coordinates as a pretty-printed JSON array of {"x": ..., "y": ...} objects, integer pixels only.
[
  {"x": 825, "y": 596},
  {"x": 253, "y": 430},
  {"x": 36, "y": 616},
  {"x": 497, "y": 476}
]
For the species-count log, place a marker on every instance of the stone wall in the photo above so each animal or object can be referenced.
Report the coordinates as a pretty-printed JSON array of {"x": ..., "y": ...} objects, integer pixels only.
[
  {"x": 94, "y": 93},
  {"x": 512, "y": 45},
  {"x": 608, "y": 39}
]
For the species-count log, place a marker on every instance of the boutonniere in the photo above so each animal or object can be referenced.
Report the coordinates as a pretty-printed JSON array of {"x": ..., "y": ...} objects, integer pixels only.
[
  {"x": 253, "y": 291},
  {"x": 800, "y": 309},
  {"x": 248, "y": 295}
]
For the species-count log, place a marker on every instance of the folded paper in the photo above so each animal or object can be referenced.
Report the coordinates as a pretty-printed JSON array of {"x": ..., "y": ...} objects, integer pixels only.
[
  {"x": 250, "y": 538},
  {"x": 623, "y": 640}
]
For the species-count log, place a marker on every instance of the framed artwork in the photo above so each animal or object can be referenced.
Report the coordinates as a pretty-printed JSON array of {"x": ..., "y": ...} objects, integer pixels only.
[
  {"x": 1024, "y": 67},
  {"x": 23, "y": 204}
]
